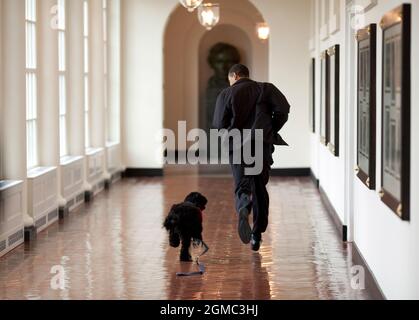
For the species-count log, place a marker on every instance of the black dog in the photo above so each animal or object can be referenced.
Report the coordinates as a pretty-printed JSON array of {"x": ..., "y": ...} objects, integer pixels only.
[{"x": 184, "y": 223}]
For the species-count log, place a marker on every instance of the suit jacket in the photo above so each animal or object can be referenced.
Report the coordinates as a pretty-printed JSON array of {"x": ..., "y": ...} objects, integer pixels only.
[{"x": 253, "y": 105}]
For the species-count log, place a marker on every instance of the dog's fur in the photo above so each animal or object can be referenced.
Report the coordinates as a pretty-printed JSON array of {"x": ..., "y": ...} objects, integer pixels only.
[{"x": 184, "y": 223}]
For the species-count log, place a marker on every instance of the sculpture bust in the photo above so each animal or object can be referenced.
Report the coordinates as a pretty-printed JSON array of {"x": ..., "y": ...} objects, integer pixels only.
[{"x": 222, "y": 57}]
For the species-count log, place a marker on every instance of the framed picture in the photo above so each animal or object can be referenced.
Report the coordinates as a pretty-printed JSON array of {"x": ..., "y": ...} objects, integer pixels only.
[
  {"x": 366, "y": 120},
  {"x": 395, "y": 157},
  {"x": 332, "y": 101},
  {"x": 323, "y": 96},
  {"x": 313, "y": 95}
]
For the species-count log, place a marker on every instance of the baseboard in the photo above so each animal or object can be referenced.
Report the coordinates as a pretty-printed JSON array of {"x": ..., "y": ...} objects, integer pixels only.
[
  {"x": 314, "y": 179},
  {"x": 143, "y": 172},
  {"x": 371, "y": 283},
  {"x": 342, "y": 229},
  {"x": 291, "y": 172}
]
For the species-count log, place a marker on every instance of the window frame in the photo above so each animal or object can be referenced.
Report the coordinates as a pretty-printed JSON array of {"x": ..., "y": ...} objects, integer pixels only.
[
  {"x": 62, "y": 76},
  {"x": 31, "y": 89},
  {"x": 86, "y": 74}
]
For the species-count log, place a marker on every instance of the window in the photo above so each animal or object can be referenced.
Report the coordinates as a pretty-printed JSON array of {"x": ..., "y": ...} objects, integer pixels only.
[
  {"x": 31, "y": 85},
  {"x": 105, "y": 59},
  {"x": 62, "y": 67},
  {"x": 86, "y": 74},
  {"x": 113, "y": 70}
]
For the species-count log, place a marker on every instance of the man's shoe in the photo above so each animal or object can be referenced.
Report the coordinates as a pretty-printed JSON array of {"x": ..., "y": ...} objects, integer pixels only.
[
  {"x": 245, "y": 232},
  {"x": 255, "y": 242}
]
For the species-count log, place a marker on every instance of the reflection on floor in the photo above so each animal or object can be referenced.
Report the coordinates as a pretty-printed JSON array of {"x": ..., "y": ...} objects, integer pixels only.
[{"x": 115, "y": 248}]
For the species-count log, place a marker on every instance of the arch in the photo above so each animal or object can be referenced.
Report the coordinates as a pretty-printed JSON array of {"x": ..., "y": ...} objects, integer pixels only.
[
  {"x": 226, "y": 33},
  {"x": 183, "y": 38}
]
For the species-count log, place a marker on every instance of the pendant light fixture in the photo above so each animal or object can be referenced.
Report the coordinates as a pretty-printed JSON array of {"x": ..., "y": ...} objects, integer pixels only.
[
  {"x": 191, "y": 5},
  {"x": 209, "y": 15}
]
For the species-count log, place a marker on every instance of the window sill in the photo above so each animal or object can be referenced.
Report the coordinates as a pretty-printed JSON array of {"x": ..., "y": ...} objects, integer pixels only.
[
  {"x": 67, "y": 160},
  {"x": 111, "y": 144},
  {"x": 93, "y": 151},
  {"x": 40, "y": 171},
  {"x": 8, "y": 184}
]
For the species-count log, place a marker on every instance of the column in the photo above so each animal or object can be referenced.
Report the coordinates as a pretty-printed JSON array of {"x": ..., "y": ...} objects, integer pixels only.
[
  {"x": 14, "y": 96},
  {"x": 97, "y": 79},
  {"x": 75, "y": 82},
  {"x": 75, "y": 86},
  {"x": 114, "y": 70},
  {"x": 97, "y": 85},
  {"x": 49, "y": 131}
]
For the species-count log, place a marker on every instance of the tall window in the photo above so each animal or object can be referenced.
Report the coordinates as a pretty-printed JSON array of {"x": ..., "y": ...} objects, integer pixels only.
[
  {"x": 31, "y": 85},
  {"x": 86, "y": 74},
  {"x": 62, "y": 67},
  {"x": 105, "y": 59}
]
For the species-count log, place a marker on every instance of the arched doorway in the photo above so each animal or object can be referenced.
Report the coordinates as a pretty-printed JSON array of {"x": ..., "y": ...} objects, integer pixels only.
[{"x": 186, "y": 71}]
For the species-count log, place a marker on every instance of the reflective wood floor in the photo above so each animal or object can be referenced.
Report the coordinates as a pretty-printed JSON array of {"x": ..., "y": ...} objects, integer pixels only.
[{"x": 115, "y": 248}]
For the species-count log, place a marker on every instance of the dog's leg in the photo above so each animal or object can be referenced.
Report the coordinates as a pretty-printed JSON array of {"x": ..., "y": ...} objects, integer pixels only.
[
  {"x": 174, "y": 239},
  {"x": 184, "y": 251}
]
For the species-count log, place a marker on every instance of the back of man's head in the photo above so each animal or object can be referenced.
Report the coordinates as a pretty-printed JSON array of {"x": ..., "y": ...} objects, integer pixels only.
[{"x": 239, "y": 70}]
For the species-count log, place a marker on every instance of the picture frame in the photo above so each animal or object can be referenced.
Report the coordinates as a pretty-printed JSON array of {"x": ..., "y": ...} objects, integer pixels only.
[
  {"x": 312, "y": 110},
  {"x": 333, "y": 100},
  {"x": 323, "y": 97},
  {"x": 366, "y": 105},
  {"x": 396, "y": 104}
]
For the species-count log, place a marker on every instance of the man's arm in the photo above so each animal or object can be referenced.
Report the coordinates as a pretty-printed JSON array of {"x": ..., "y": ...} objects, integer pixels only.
[
  {"x": 222, "y": 114},
  {"x": 280, "y": 108}
]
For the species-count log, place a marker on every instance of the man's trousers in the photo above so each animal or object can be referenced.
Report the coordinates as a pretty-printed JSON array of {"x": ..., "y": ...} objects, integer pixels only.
[{"x": 250, "y": 191}]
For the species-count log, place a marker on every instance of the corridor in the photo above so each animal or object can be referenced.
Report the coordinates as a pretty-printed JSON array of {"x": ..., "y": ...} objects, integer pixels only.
[{"x": 115, "y": 248}]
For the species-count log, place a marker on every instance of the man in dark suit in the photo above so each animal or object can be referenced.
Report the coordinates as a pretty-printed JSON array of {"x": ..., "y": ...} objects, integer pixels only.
[{"x": 248, "y": 104}]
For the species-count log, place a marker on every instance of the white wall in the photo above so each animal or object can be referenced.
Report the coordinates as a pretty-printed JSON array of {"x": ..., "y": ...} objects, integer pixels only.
[
  {"x": 328, "y": 168},
  {"x": 143, "y": 35},
  {"x": 389, "y": 245}
]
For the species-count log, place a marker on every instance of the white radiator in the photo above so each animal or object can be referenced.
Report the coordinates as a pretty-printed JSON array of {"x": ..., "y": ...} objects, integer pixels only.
[
  {"x": 72, "y": 181},
  {"x": 113, "y": 151},
  {"x": 43, "y": 196},
  {"x": 95, "y": 161},
  {"x": 11, "y": 216}
]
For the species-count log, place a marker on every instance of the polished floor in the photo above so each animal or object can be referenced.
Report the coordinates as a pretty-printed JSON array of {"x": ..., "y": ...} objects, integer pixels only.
[{"x": 115, "y": 248}]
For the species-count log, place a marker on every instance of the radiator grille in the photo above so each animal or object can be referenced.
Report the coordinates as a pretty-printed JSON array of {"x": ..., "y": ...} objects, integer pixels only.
[
  {"x": 40, "y": 222},
  {"x": 2, "y": 245},
  {"x": 100, "y": 185},
  {"x": 53, "y": 215},
  {"x": 15, "y": 237},
  {"x": 70, "y": 203},
  {"x": 80, "y": 197}
]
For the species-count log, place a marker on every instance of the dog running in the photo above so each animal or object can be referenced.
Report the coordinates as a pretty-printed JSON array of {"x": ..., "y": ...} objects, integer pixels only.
[{"x": 184, "y": 224}]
